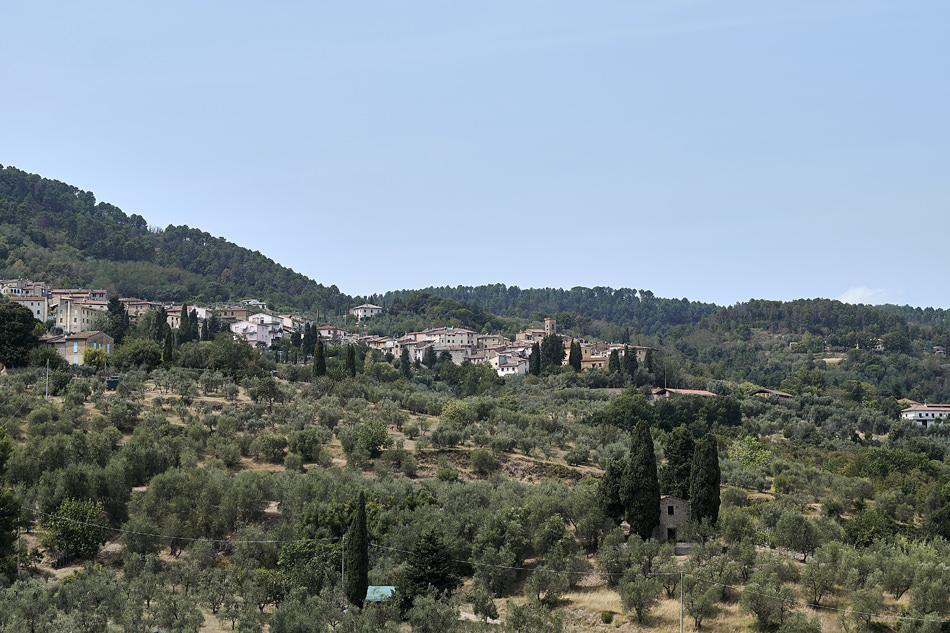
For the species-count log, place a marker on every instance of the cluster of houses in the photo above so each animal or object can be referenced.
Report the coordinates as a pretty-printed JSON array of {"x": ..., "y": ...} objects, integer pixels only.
[
  {"x": 74, "y": 312},
  {"x": 507, "y": 357}
]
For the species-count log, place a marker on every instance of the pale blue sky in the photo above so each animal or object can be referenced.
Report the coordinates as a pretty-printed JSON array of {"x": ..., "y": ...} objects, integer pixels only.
[{"x": 713, "y": 150}]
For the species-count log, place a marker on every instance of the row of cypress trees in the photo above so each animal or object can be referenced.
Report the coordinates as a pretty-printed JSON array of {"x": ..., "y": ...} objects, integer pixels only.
[{"x": 631, "y": 490}]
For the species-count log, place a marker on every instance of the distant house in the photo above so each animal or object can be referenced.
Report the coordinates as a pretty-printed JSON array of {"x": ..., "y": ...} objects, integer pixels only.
[
  {"x": 366, "y": 311},
  {"x": 508, "y": 365},
  {"x": 72, "y": 346},
  {"x": 37, "y": 305},
  {"x": 926, "y": 414},
  {"x": 768, "y": 393},
  {"x": 673, "y": 513},
  {"x": 663, "y": 392},
  {"x": 233, "y": 315}
]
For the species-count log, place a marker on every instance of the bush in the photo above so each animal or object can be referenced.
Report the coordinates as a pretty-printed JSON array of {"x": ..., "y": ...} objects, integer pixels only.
[{"x": 484, "y": 462}]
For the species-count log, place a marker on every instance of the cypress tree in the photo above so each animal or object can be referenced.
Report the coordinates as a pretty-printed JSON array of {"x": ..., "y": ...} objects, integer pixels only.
[
  {"x": 404, "y": 363},
  {"x": 319, "y": 359},
  {"x": 630, "y": 363},
  {"x": 640, "y": 488},
  {"x": 574, "y": 360},
  {"x": 349, "y": 365},
  {"x": 704, "y": 481},
  {"x": 429, "y": 359},
  {"x": 648, "y": 360},
  {"x": 534, "y": 360},
  {"x": 613, "y": 363},
  {"x": 675, "y": 475},
  {"x": 167, "y": 351},
  {"x": 608, "y": 491},
  {"x": 552, "y": 351},
  {"x": 357, "y": 555}
]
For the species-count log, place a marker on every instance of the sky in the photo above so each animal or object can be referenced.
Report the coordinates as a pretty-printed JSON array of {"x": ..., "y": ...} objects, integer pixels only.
[{"x": 711, "y": 150}]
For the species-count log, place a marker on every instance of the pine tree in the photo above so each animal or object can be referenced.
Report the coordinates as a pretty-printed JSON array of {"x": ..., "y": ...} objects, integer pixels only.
[
  {"x": 319, "y": 359},
  {"x": 430, "y": 565},
  {"x": 613, "y": 362},
  {"x": 534, "y": 360},
  {"x": 356, "y": 552},
  {"x": 574, "y": 360},
  {"x": 704, "y": 481},
  {"x": 640, "y": 488},
  {"x": 679, "y": 450}
]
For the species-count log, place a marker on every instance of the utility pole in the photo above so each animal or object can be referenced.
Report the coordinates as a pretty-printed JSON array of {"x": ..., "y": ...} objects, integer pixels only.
[{"x": 343, "y": 568}]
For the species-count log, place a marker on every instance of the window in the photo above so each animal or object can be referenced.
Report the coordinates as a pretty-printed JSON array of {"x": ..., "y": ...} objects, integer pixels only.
[
  {"x": 75, "y": 347},
  {"x": 669, "y": 510}
]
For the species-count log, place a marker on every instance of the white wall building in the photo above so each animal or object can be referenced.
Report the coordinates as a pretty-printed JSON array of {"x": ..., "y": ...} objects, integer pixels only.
[{"x": 926, "y": 415}]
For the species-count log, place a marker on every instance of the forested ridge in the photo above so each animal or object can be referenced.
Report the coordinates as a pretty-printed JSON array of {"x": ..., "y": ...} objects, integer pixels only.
[
  {"x": 55, "y": 232},
  {"x": 220, "y": 487}
]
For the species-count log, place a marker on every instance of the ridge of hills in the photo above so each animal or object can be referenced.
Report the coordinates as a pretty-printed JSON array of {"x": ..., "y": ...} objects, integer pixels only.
[{"x": 213, "y": 494}]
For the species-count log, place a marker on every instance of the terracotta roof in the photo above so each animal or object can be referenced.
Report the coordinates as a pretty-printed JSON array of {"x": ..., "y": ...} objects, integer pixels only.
[
  {"x": 685, "y": 392},
  {"x": 927, "y": 407}
]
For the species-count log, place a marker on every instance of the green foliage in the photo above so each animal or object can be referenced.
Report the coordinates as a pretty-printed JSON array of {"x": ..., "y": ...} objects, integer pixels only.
[
  {"x": 640, "y": 488},
  {"x": 704, "y": 482},
  {"x": 74, "y": 528},
  {"x": 16, "y": 334},
  {"x": 674, "y": 476},
  {"x": 429, "y": 570},
  {"x": 356, "y": 553},
  {"x": 640, "y": 595}
]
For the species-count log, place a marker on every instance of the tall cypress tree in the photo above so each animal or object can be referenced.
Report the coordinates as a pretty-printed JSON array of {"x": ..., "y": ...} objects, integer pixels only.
[
  {"x": 630, "y": 363},
  {"x": 640, "y": 488},
  {"x": 608, "y": 491},
  {"x": 356, "y": 552},
  {"x": 404, "y": 363},
  {"x": 613, "y": 362},
  {"x": 679, "y": 450},
  {"x": 349, "y": 364},
  {"x": 552, "y": 351},
  {"x": 429, "y": 359},
  {"x": 167, "y": 351},
  {"x": 534, "y": 360},
  {"x": 319, "y": 359},
  {"x": 648, "y": 360},
  {"x": 574, "y": 360},
  {"x": 119, "y": 323},
  {"x": 704, "y": 481}
]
